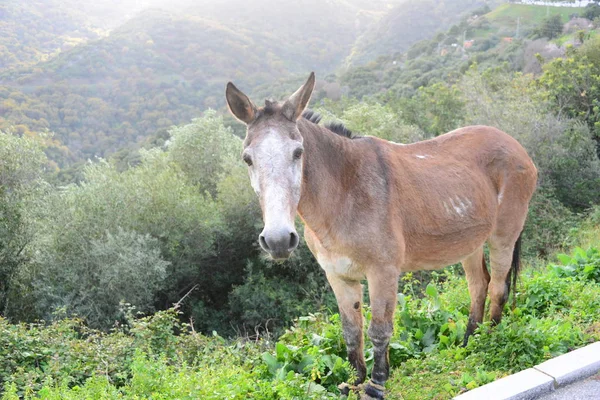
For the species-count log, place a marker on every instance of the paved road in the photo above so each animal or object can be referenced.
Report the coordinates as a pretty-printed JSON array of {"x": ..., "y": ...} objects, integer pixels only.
[{"x": 588, "y": 389}]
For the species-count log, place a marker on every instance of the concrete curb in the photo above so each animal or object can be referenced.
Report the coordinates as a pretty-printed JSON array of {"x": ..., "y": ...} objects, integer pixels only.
[{"x": 541, "y": 379}]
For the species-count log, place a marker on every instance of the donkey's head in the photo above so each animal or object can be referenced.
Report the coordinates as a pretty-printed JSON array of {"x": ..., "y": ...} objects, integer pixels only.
[{"x": 273, "y": 151}]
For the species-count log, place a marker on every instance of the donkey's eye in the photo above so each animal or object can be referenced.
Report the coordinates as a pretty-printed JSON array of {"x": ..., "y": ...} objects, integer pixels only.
[
  {"x": 298, "y": 153},
  {"x": 247, "y": 159}
]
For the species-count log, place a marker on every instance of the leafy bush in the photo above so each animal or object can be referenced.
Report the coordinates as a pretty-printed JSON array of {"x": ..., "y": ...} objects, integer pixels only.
[
  {"x": 378, "y": 120},
  {"x": 124, "y": 236},
  {"x": 584, "y": 265},
  {"x": 204, "y": 150},
  {"x": 549, "y": 224},
  {"x": 544, "y": 296},
  {"x": 521, "y": 342},
  {"x": 551, "y": 27},
  {"x": 22, "y": 163},
  {"x": 158, "y": 356}
]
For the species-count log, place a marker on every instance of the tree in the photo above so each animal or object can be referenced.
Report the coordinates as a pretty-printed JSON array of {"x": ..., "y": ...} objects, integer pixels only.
[
  {"x": 21, "y": 164},
  {"x": 572, "y": 85},
  {"x": 377, "y": 120},
  {"x": 436, "y": 109},
  {"x": 551, "y": 27}
]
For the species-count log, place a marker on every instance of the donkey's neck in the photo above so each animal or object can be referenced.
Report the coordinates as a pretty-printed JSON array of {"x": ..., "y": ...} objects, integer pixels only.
[{"x": 328, "y": 173}]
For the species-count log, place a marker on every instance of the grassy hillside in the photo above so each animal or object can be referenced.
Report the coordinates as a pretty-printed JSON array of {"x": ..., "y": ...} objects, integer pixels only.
[{"x": 507, "y": 14}]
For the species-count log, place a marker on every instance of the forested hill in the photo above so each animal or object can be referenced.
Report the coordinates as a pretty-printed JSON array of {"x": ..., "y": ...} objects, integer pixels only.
[
  {"x": 308, "y": 34},
  {"x": 101, "y": 91},
  {"x": 407, "y": 23},
  {"x": 35, "y": 30},
  {"x": 514, "y": 35},
  {"x": 162, "y": 68}
]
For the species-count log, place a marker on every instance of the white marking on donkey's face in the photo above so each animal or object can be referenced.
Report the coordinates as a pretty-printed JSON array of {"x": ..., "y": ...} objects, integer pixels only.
[
  {"x": 275, "y": 170},
  {"x": 422, "y": 157}
]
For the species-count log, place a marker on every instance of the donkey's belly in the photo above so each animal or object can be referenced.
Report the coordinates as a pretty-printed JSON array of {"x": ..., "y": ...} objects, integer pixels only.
[{"x": 438, "y": 251}]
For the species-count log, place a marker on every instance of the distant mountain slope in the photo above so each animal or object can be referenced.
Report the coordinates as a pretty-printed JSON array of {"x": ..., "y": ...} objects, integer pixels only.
[
  {"x": 34, "y": 30},
  {"x": 158, "y": 70},
  {"x": 163, "y": 68},
  {"x": 310, "y": 34},
  {"x": 407, "y": 23},
  {"x": 504, "y": 36}
]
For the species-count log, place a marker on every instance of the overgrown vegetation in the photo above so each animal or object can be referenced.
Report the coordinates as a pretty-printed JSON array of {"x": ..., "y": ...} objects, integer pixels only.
[
  {"x": 83, "y": 249},
  {"x": 159, "y": 356}
]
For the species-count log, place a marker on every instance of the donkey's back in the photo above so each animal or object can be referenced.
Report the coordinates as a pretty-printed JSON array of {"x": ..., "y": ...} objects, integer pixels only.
[{"x": 456, "y": 191}]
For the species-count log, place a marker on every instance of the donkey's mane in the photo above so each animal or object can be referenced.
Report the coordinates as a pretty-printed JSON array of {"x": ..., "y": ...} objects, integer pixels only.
[{"x": 336, "y": 127}]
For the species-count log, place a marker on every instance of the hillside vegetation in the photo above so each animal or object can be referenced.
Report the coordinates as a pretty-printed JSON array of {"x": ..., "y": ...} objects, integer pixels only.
[
  {"x": 509, "y": 34},
  {"x": 162, "y": 68},
  {"x": 36, "y": 30},
  {"x": 407, "y": 23},
  {"x": 138, "y": 275},
  {"x": 160, "y": 357}
]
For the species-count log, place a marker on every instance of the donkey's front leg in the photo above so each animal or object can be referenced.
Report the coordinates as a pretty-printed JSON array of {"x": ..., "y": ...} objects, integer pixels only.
[
  {"x": 349, "y": 297},
  {"x": 383, "y": 289}
]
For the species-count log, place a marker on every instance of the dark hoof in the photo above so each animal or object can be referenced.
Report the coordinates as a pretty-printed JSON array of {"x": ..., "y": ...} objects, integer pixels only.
[
  {"x": 374, "y": 390},
  {"x": 344, "y": 389}
]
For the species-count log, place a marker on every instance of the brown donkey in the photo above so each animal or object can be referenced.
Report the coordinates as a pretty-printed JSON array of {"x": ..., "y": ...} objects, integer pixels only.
[{"x": 373, "y": 209}]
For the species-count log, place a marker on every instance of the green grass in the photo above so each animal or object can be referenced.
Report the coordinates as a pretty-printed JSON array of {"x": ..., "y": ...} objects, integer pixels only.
[{"x": 507, "y": 14}]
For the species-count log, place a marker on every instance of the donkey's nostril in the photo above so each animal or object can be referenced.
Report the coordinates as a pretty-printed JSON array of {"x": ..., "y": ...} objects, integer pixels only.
[
  {"x": 293, "y": 240},
  {"x": 263, "y": 242}
]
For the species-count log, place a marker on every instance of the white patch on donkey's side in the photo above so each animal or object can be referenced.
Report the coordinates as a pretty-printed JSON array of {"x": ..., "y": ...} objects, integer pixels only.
[{"x": 461, "y": 206}]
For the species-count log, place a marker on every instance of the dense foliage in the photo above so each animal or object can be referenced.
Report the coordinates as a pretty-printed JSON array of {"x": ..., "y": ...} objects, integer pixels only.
[
  {"x": 35, "y": 30},
  {"x": 159, "y": 356},
  {"x": 184, "y": 219}
]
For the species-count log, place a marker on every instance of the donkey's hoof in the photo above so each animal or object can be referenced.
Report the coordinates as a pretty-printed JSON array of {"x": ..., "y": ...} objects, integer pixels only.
[
  {"x": 344, "y": 389},
  {"x": 374, "y": 391}
]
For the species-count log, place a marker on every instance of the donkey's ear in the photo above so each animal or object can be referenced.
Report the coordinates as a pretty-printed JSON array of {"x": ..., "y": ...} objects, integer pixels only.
[
  {"x": 239, "y": 104},
  {"x": 295, "y": 105}
]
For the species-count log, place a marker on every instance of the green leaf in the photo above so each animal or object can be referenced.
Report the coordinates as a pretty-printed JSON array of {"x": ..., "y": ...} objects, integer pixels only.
[
  {"x": 564, "y": 259},
  {"x": 271, "y": 362},
  {"x": 432, "y": 291}
]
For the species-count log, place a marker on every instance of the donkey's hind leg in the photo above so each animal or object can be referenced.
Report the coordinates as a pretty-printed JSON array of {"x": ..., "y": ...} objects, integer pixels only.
[
  {"x": 478, "y": 279},
  {"x": 503, "y": 256}
]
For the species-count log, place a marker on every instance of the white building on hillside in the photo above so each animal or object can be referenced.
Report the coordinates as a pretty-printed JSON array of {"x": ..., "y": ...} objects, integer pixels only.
[{"x": 576, "y": 3}]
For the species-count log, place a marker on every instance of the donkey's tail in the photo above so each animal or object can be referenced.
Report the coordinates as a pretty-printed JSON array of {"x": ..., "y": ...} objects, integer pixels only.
[{"x": 513, "y": 274}]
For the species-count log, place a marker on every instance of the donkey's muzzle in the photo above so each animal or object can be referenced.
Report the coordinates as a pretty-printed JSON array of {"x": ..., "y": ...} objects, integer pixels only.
[{"x": 279, "y": 243}]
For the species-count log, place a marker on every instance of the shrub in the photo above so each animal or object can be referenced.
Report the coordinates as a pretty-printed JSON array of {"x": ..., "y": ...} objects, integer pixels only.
[
  {"x": 548, "y": 224},
  {"x": 545, "y": 296},
  {"x": 582, "y": 264},
  {"x": 520, "y": 342}
]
